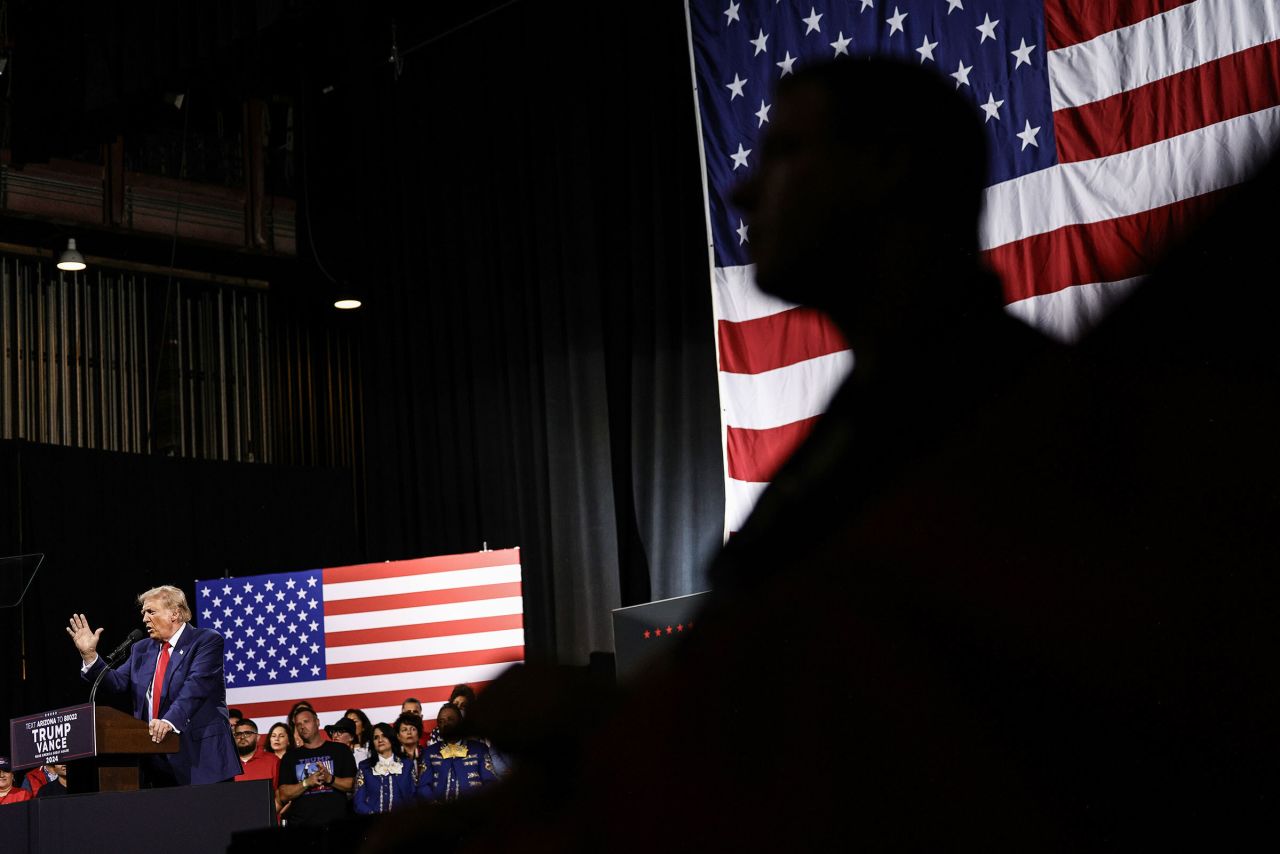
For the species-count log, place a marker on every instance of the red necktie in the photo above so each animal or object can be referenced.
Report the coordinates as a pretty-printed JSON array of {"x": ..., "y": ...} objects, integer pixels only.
[{"x": 161, "y": 666}]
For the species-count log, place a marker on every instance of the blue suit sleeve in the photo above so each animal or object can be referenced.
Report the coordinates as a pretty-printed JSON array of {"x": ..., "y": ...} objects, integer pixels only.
[{"x": 117, "y": 680}]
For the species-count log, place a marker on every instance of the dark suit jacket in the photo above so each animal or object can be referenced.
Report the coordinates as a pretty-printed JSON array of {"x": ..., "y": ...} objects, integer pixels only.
[{"x": 193, "y": 699}]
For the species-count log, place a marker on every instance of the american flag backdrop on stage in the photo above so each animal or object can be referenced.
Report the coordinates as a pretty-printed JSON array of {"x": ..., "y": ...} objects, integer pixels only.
[
  {"x": 1114, "y": 125},
  {"x": 365, "y": 636}
]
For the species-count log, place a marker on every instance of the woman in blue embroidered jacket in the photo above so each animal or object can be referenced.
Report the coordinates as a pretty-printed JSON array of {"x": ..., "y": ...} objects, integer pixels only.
[{"x": 383, "y": 781}]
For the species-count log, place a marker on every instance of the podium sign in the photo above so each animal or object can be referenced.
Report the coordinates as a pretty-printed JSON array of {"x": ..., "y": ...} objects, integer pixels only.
[
  {"x": 644, "y": 632},
  {"x": 53, "y": 737}
]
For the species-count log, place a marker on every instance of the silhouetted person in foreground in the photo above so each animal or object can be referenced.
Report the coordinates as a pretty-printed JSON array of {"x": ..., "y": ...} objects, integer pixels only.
[
  {"x": 1030, "y": 601},
  {"x": 865, "y": 206}
]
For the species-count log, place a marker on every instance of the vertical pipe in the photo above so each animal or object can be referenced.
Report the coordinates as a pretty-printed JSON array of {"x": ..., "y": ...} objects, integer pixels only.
[
  {"x": 264, "y": 352},
  {"x": 252, "y": 449},
  {"x": 46, "y": 362},
  {"x": 135, "y": 438},
  {"x": 113, "y": 376},
  {"x": 211, "y": 373},
  {"x": 203, "y": 373},
  {"x": 7, "y": 381},
  {"x": 91, "y": 297},
  {"x": 237, "y": 451},
  {"x": 77, "y": 369},
  {"x": 148, "y": 423},
  {"x": 126, "y": 367},
  {"x": 254, "y": 412},
  {"x": 28, "y": 352},
  {"x": 42, "y": 385},
  {"x": 20, "y": 346},
  {"x": 104, "y": 363},
  {"x": 51, "y": 359},
  {"x": 179, "y": 385},
  {"x": 6, "y": 392},
  {"x": 122, "y": 397},
  {"x": 289, "y": 423},
  {"x": 104, "y": 366},
  {"x": 225, "y": 387},
  {"x": 52, "y": 355},
  {"x": 206, "y": 377},
  {"x": 93, "y": 390},
  {"x": 195, "y": 340},
  {"x": 34, "y": 384},
  {"x": 122, "y": 366},
  {"x": 64, "y": 363}
]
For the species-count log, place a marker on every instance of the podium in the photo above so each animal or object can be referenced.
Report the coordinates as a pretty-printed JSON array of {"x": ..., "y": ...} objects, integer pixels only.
[
  {"x": 123, "y": 742},
  {"x": 101, "y": 745},
  {"x": 103, "y": 748}
]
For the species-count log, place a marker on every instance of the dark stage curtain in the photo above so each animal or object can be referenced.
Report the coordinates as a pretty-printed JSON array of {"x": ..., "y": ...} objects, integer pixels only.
[{"x": 522, "y": 211}]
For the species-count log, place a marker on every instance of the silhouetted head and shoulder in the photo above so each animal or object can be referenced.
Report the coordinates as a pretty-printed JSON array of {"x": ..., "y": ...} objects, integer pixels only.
[{"x": 866, "y": 199}]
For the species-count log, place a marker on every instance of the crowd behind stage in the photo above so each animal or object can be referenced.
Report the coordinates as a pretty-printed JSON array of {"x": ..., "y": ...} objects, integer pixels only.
[{"x": 320, "y": 774}]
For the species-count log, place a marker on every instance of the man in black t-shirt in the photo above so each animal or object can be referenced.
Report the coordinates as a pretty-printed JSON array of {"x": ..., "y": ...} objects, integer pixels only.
[{"x": 316, "y": 778}]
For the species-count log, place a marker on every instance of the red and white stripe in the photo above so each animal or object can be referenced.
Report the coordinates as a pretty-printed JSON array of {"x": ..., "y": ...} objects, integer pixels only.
[
  {"x": 410, "y": 628},
  {"x": 1159, "y": 107}
]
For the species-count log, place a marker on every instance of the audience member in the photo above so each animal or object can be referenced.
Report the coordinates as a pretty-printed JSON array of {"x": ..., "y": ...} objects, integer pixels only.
[
  {"x": 279, "y": 739},
  {"x": 460, "y": 697},
  {"x": 342, "y": 731},
  {"x": 384, "y": 781},
  {"x": 233, "y": 717},
  {"x": 292, "y": 720},
  {"x": 411, "y": 706},
  {"x": 257, "y": 764},
  {"x": 409, "y": 733},
  {"x": 455, "y": 765},
  {"x": 361, "y": 748},
  {"x": 316, "y": 777},
  {"x": 9, "y": 793},
  {"x": 57, "y": 786},
  {"x": 37, "y": 777}
]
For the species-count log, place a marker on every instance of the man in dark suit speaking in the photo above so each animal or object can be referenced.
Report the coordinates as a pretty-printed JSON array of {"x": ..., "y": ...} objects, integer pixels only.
[{"x": 175, "y": 681}]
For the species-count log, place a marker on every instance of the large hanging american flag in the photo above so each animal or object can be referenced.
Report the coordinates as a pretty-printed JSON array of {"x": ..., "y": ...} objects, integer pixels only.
[
  {"x": 1113, "y": 126},
  {"x": 368, "y": 636}
]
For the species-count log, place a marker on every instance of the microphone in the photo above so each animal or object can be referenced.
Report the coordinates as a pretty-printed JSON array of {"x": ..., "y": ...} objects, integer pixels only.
[{"x": 134, "y": 636}]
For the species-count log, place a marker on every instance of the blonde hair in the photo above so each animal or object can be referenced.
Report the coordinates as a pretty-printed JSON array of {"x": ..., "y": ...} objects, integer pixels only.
[{"x": 170, "y": 597}]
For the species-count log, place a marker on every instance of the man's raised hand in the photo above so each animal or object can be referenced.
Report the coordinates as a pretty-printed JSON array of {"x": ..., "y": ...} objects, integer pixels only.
[{"x": 85, "y": 639}]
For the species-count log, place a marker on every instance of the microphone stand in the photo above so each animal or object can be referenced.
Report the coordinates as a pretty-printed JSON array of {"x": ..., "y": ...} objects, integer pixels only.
[{"x": 109, "y": 664}]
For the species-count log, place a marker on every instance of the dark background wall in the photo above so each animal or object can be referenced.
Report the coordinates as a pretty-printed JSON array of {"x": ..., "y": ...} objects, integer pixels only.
[{"x": 520, "y": 208}]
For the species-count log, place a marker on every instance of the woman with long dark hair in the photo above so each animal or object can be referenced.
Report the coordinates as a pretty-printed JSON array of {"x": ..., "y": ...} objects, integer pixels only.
[
  {"x": 383, "y": 781},
  {"x": 279, "y": 739},
  {"x": 362, "y": 746}
]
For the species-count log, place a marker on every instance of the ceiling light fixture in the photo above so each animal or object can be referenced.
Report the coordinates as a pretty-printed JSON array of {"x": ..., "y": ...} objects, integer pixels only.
[{"x": 71, "y": 259}]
